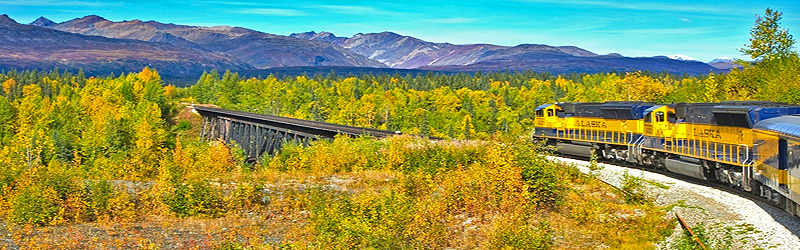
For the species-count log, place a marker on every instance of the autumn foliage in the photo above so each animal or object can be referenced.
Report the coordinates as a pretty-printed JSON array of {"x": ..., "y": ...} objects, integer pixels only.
[{"x": 121, "y": 150}]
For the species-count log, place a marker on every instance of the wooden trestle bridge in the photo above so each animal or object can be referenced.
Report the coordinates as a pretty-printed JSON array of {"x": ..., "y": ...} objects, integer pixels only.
[{"x": 257, "y": 133}]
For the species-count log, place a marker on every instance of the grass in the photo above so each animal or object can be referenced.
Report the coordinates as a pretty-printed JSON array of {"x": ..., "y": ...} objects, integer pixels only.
[{"x": 713, "y": 237}]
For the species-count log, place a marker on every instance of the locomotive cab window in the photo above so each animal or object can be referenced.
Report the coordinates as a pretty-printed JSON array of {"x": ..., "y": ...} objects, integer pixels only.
[
  {"x": 647, "y": 118},
  {"x": 549, "y": 113},
  {"x": 671, "y": 117},
  {"x": 539, "y": 113},
  {"x": 659, "y": 116}
]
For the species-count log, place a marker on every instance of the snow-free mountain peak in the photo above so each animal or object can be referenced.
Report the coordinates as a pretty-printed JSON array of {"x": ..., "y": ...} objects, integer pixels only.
[
  {"x": 42, "y": 22},
  {"x": 311, "y": 49},
  {"x": 259, "y": 49},
  {"x": 25, "y": 47}
]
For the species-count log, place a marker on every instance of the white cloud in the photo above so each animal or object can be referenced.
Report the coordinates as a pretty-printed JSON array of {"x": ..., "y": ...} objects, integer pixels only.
[
  {"x": 685, "y": 20},
  {"x": 273, "y": 12},
  {"x": 636, "y": 5},
  {"x": 354, "y": 10},
  {"x": 52, "y": 3},
  {"x": 238, "y": 3},
  {"x": 453, "y": 20},
  {"x": 662, "y": 32}
]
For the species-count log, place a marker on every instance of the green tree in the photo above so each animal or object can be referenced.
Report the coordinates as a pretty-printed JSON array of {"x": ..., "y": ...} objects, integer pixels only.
[{"x": 769, "y": 40}]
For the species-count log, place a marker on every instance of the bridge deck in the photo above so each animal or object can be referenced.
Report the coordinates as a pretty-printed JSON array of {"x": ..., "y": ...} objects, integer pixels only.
[{"x": 321, "y": 129}]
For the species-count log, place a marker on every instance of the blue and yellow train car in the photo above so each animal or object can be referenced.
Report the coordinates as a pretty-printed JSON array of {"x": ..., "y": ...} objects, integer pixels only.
[
  {"x": 751, "y": 145},
  {"x": 777, "y": 153},
  {"x": 609, "y": 129}
]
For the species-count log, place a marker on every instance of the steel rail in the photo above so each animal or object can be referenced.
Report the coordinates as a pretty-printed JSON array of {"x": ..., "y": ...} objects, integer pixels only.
[{"x": 685, "y": 226}]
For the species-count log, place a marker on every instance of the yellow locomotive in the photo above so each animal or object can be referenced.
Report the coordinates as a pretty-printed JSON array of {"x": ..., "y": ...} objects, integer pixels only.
[{"x": 751, "y": 145}]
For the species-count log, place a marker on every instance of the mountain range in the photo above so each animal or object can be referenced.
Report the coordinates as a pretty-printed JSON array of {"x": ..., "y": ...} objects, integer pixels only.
[
  {"x": 407, "y": 52},
  {"x": 724, "y": 63},
  {"x": 32, "y": 47},
  {"x": 99, "y": 45}
]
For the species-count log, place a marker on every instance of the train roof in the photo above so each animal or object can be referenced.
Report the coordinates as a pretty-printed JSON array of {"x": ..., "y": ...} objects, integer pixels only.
[
  {"x": 543, "y": 106},
  {"x": 788, "y": 125},
  {"x": 754, "y": 103}
]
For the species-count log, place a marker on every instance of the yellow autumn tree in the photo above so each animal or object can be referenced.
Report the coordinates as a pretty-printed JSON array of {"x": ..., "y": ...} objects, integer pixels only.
[
  {"x": 640, "y": 87},
  {"x": 8, "y": 84},
  {"x": 32, "y": 141},
  {"x": 574, "y": 92},
  {"x": 469, "y": 128},
  {"x": 542, "y": 91}
]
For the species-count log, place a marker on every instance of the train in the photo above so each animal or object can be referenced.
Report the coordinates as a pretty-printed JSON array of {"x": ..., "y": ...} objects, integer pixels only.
[{"x": 750, "y": 145}]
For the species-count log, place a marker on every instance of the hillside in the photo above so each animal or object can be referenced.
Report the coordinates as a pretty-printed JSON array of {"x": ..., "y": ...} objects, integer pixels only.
[
  {"x": 560, "y": 64},
  {"x": 724, "y": 63},
  {"x": 260, "y": 50},
  {"x": 31, "y": 47},
  {"x": 408, "y": 52}
]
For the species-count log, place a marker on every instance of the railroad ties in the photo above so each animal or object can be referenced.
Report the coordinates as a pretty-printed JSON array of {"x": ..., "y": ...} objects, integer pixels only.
[{"x": 257, "y": 134}]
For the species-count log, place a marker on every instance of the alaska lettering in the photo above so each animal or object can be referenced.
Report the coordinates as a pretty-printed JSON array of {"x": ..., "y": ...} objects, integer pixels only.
[
  {"x": 707, "y": 133},
  {"x": 592, "y": 124}
]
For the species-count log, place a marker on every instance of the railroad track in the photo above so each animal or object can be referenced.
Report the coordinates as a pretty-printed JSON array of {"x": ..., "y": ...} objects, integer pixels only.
[
  {"x": 771, "y": 226},
  {"x": 715, "y": 185}
]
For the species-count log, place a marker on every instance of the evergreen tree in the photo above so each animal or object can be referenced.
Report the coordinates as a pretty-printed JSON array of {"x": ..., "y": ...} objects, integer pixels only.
[{"x": 424, "y": 130}]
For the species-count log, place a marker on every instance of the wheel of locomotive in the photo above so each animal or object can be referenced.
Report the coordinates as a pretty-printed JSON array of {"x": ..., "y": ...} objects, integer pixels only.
[
  {"x": 724, "y": 174},
  {"x": 661, "y": 160},
  {"x": 709, "y": 171},
  {"x": 609, "y": 154},
  {"x": 755, "y": 187}
]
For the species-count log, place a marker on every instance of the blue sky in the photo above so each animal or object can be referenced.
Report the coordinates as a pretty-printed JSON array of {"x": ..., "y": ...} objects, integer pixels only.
[{"x": 700, "y": 29}]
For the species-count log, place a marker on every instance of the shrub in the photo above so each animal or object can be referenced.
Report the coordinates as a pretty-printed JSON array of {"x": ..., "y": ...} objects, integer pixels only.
[
  {"x": 343, "y": 154},
  {"x": 183, "y": 125},
  {"x": 517, "y": 234},
  {"x": 98, "y": 194},
  {"x": 435, "y": 158},
  {"x": 35, "y": 204},
  {"x": 121, "y": 207},
  {"x": 194, "y": 199},
  {"x": 634, "y": 190},
  {"x": 543, "y": 179},
  {"x": 246, "y": 195},
  {"x": 368, "y": 220},
  {"x": 105, "y": 202}
]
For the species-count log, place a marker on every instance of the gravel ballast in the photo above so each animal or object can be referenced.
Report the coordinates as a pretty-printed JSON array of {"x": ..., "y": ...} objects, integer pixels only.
[{"x": 739, "y": 222}]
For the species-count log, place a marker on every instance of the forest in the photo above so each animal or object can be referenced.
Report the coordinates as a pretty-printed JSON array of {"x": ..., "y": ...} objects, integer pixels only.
[
  {"x": 122, "y": 155},
  {"x": 478, "y": 106}
]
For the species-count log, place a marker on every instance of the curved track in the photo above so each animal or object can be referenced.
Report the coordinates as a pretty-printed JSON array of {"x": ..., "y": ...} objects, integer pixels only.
[
  {"x": 711, "y": 184},
  {"x": 710, "y": 203}
]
